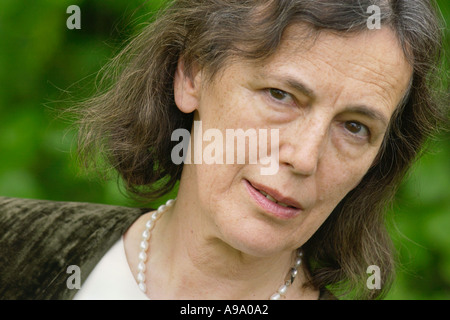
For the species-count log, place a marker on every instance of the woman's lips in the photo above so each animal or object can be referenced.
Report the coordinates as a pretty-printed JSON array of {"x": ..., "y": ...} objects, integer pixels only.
[{"x": 285, "y": 208}]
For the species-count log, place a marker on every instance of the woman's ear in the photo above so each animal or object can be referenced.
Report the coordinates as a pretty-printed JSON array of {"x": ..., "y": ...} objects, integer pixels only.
[{"x": 187, "y": 88}]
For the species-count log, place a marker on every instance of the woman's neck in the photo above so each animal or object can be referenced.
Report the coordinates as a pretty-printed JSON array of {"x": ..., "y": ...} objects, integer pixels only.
[{"x": 188, "y": 260}]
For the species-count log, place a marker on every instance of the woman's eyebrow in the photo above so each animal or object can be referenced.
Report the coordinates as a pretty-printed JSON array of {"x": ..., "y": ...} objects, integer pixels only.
[
  {"x": 302, "y": 88},
  {"x": 370, "y": 113},
  {"x": 292, "y": 83},
  {"x": 361, "y": 109}
]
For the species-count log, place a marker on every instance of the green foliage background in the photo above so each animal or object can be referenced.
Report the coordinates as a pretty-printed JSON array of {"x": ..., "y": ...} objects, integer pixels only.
[{"x": 42, "y": 63}]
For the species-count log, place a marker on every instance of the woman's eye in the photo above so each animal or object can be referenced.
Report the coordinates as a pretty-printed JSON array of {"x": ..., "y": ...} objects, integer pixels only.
[
  {"x": 357, "y": 129},
  {"x": 279, "y": 95}
]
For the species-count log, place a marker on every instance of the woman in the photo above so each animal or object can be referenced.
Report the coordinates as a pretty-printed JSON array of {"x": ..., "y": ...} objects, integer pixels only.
[{"x": 350, "y": 106}]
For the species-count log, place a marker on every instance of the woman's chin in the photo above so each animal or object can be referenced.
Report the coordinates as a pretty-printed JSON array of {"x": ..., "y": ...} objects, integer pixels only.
[{"x": 255, "y": 239}]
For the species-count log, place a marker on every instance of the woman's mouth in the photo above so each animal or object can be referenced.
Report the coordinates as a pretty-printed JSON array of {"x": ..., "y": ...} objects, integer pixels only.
[
  {"x": 268, "y": 196},
  {"x": 272, "y": 202}
]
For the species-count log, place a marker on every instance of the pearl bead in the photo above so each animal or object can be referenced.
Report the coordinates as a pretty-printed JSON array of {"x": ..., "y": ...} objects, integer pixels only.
[
  {"x": 141, "y": 266},
  {"x": 142, "y": 256},
  {"x": 143, "y": 287},
  {"x": 146, "y": 234},
  {"x": 144, "y": 245},
  {"x": 275, "y": 296},
  {"x": 141, "y": 277},
  {"x": 170, "y": 202},
  {"x": 283, "y": 290},
  {"x": 150, "y": 225},
  {"x": 155, "y": 216},
  {"x": 294, "y": 272},
  {"x": 298, "y": 262}
]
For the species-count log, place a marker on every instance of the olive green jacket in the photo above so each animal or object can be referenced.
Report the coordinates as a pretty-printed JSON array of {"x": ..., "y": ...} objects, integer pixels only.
[{"x": 40, "y": 240}]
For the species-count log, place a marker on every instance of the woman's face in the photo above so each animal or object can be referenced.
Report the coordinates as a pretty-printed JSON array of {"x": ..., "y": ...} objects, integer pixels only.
[{"x": 331, "y": 102}]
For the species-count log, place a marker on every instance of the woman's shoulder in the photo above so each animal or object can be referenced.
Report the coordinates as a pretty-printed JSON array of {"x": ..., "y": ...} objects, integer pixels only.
[{"x": 40, "y": 240}]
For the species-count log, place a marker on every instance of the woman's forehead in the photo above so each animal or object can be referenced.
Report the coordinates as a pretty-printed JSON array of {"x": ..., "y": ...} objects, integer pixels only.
[
  {"x": 372, "y": 60},
  {"x": 373, "y": 52}
]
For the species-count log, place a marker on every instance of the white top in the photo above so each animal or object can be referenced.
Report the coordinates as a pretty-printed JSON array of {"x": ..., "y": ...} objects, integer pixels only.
[{"x": 111, "y": 279}]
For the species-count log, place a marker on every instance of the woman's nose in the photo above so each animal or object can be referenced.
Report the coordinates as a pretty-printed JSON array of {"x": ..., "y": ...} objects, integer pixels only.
[{"x": 302, "y": 147}]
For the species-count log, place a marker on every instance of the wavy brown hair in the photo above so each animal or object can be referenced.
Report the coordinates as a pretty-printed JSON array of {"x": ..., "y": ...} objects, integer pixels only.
[{"x": 130, "y": 121}]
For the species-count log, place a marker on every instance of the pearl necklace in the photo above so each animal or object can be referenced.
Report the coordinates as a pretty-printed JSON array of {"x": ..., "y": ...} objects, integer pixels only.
[{"x": 144, "y": 245}]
